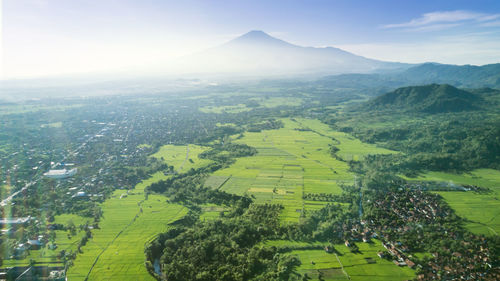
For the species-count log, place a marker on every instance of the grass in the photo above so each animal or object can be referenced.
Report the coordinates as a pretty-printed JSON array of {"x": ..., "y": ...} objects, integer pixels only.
[
  {"x": 211, "y": 211},
  {"x": 182, "y": 157},
  {"x": 481, "y": 210},
  {"x": 24, "y": 108},
  {"x": 52, "y": 125},
  {"x": 144, "y": 145},
  {"x": 116, "y": 250},
  {"x": 365, "y": 265},
  {"x": 128, "y": 222},
  {"x": 288, "y": 163},
  {"x": 63, "y": 240},
  {"x": 225, "y": 109},
  {"x": 264, "y": 102},
  {"x": 350, "y": 147},
  {"x": 271, "y": 102},
  {"x": 292, "y": 244},
  {"x": 291, "y": 162}
]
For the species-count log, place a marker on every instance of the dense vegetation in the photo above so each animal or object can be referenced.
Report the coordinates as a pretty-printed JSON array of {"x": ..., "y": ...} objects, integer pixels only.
[
  {"x": 224, "y": 249},
  {"x": 447, "y": 141},
  {"x": 431, "y": 99},
  {"x": 175, "y": 159}
]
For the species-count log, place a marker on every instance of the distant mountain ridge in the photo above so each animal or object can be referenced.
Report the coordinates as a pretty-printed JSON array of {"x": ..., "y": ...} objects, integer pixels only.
[
  {"x": 258, "y": 53},
  {"x": 433, "y": 98},
  {"x": 464, "y": 76},
  {"x": 457, "y": 75}
]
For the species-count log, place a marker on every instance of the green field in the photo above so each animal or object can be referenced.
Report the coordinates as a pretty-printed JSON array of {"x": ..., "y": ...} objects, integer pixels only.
[
  {"x": 116, "y": 251},
  {"x": 182, "y": 157},
  {"x": 482, "y": 210},
  {"x": 225, "y": 109},
  {"x": 350, "y": 147},
  {"x": 271, "y": 102},
  {"x": 211, "y": 211},
  {"x": 144, "y": 145},
  {"x": 24, "y": 108},
  {"x": 63, "y": 240},
  {"x": 291, "y": 162},
  {"x": 264, "y": 102},
  {"x": 345, "y": 265},
  {"x": 52, "y": 125}
]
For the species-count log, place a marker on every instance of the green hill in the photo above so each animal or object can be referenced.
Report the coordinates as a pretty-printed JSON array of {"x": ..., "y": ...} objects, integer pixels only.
[
  {"x": 469, "y": 76},
  {"x": 433, "y": 98}
]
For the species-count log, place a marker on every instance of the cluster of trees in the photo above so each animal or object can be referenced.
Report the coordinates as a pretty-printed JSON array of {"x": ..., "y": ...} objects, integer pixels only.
[
  {"x": 225, "y": 152},
  {"x": 230, "y": 247},
  {"x": 328, "y": 197},
  {"x": 449, "y": 142},
  {"x": 270, "y": 124},
  {"x": 224, "y": 249}
]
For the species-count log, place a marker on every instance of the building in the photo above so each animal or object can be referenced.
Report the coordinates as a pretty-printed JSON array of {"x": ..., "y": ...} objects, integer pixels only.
[
  {"x": 80, "y": 194},
  {"x": 35, "y": 244},
  {"x": 14, "y": 222},
  {"x": 60, "y": 174}
]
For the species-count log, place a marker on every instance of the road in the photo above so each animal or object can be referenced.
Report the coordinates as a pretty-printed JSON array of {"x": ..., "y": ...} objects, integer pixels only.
[{"x": 33, "y": 182}]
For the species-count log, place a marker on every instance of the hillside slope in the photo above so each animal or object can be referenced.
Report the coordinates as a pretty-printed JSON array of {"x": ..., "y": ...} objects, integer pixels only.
[
  {"x": 433, "y": 98},
  {"x": 257, "y": 53}
]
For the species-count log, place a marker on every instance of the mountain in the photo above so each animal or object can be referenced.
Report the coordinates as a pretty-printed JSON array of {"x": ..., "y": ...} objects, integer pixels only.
[
  {"x": 464, "y": 76},
  {"x": 258, "y": 53},
  {"x": 458, "y": 75},
  {"x": 433, "y": 98}
]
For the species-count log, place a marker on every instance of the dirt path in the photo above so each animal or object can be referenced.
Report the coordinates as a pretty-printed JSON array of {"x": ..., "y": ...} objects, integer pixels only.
[
  {"x": 185, "y": 159},
  {"x": 342, "y": 267}
]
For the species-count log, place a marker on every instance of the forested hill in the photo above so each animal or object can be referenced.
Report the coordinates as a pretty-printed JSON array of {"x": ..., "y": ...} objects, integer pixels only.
[
  {"x": 463, "y": 76},
  {"x": 469, "y": 76},
  {"x": 433, "y": 98}
]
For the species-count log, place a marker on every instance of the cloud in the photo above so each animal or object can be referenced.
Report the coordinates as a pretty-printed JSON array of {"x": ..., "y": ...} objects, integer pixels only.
[
  {"x": 434, "y": 27},
  {"x": 477, "y": 48},
  {"x": 491, "y": 23},
  {"x": 444, "y": 19}
]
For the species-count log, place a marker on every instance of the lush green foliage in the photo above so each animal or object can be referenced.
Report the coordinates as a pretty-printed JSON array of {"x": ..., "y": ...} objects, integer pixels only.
[{"x": 432, "y": 98}]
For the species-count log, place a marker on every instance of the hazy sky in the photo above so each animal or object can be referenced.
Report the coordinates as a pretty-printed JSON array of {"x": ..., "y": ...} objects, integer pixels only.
[{"x": 53, "y": 37}]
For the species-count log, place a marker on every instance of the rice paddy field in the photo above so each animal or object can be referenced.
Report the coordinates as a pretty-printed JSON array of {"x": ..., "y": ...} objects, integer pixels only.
[
  {"x": 116, "y": 250},
  {"x": 350, "y": 147},
  {"x": 343, "y": 264},
  {"x": 130, "y": 221},
  {"x": 225, "y": 109},
  {"x": 23, "y": 108},
  {"x": 290, "y": 162},
  {"x": 481, "y": 210},
  {"x": 271, "y": 102},
  {"x": 264, "y": 102},
  {"x": 182, "y": 157}
]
